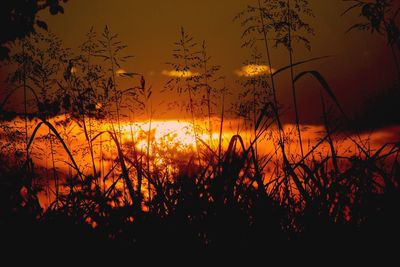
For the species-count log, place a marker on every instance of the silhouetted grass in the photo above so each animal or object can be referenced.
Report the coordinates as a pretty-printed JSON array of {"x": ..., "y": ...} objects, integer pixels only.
[{"x": 226, "y": 201}]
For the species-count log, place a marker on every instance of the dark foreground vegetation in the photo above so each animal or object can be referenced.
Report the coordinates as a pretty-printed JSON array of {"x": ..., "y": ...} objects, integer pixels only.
[{"x": 229, "y": 202}]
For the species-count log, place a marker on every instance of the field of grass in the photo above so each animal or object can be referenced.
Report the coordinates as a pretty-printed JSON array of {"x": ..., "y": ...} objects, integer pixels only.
[{"x": 80, "y": 174}]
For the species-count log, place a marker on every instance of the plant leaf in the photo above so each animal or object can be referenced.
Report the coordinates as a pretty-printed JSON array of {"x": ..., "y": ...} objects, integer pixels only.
[
  {"x": 323, "y": 83},
  {"x": 296, "y": 64},
  {"x": 41, "y": 24}
]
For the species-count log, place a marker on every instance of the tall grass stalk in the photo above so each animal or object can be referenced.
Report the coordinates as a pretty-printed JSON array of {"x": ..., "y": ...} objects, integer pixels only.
[
  {"x": 289, "y": 26},
  {"x": 276, "y": 107},
  {"x": 25, "y": 100}
]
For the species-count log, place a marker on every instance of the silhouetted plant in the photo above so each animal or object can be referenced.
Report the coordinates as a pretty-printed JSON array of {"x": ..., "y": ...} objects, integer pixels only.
[
  {"x": 206, "y": 80},
  {"x": 232, "y": 201},
  {"x": 379, "y": 16},
  {"x": 256, "y": 92},
  {"x": 82, "y": 101},
  {"x": 288, "y": 24},
  {"x": 110, "y": 49},
  {"x": 37, "y": 66},
  {"x": 258, "y": 22},
  {"x": 18, "y": 19},
  {"x": 186, "y": 60}
]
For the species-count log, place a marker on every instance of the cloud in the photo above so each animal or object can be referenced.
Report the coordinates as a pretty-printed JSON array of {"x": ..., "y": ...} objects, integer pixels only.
[
  {"x": 124, "y": 73},
  {"x": 179, "y": 73},
  {"x": 120, "y": 72},
  {"x": 253, "y": 70}
]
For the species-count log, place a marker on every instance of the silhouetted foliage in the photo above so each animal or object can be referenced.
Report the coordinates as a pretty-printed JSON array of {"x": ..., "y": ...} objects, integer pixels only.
[
  {"x": 379, "y": 16},
  {"x": 18, "y": 18},
  {"x": 157, "y": 197}
]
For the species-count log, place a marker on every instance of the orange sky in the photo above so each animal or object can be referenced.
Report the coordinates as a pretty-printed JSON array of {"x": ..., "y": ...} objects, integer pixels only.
[{"x": 361, "y": 62}]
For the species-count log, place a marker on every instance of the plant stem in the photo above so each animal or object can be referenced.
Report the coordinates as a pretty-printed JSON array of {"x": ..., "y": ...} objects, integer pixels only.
[
  {"x": 25, "y": 103},
  {"x": 396, "y": 62},
  {"x": 328, "y": 132},
  {"x": 270, "y": 69},
  {"x": 54, "y": 167},
  {"x": 189, "y": 89},
  {"x": 90, "y": 143},
  {"x": 255, "y": 120},
  {"x": 286, "y": 165},
  {"x": 114, "y": 88},
  {"x": 289, "y": 22},
  {"x": 102, "y": 164},
  {"x": 220, "y": 132},
  {"x": 208, "y": 93}
]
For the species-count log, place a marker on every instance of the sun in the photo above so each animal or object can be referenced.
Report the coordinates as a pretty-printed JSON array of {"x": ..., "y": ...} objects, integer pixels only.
[{"x": 169, "y": 133}]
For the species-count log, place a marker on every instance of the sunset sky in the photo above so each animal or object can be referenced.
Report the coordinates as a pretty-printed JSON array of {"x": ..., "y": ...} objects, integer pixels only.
[
  {"x": 149, "y": 128},
  {"x": 361, "y": 63}
]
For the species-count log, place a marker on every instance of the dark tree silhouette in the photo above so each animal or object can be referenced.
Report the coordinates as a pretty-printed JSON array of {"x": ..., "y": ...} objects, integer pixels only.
[{"x": 18, "y": 18}]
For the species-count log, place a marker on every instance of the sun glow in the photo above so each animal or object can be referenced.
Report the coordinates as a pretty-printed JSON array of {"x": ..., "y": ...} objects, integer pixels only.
[
  {"x": 167, "y": 144},
  {"x": 177, "y": 134}
]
